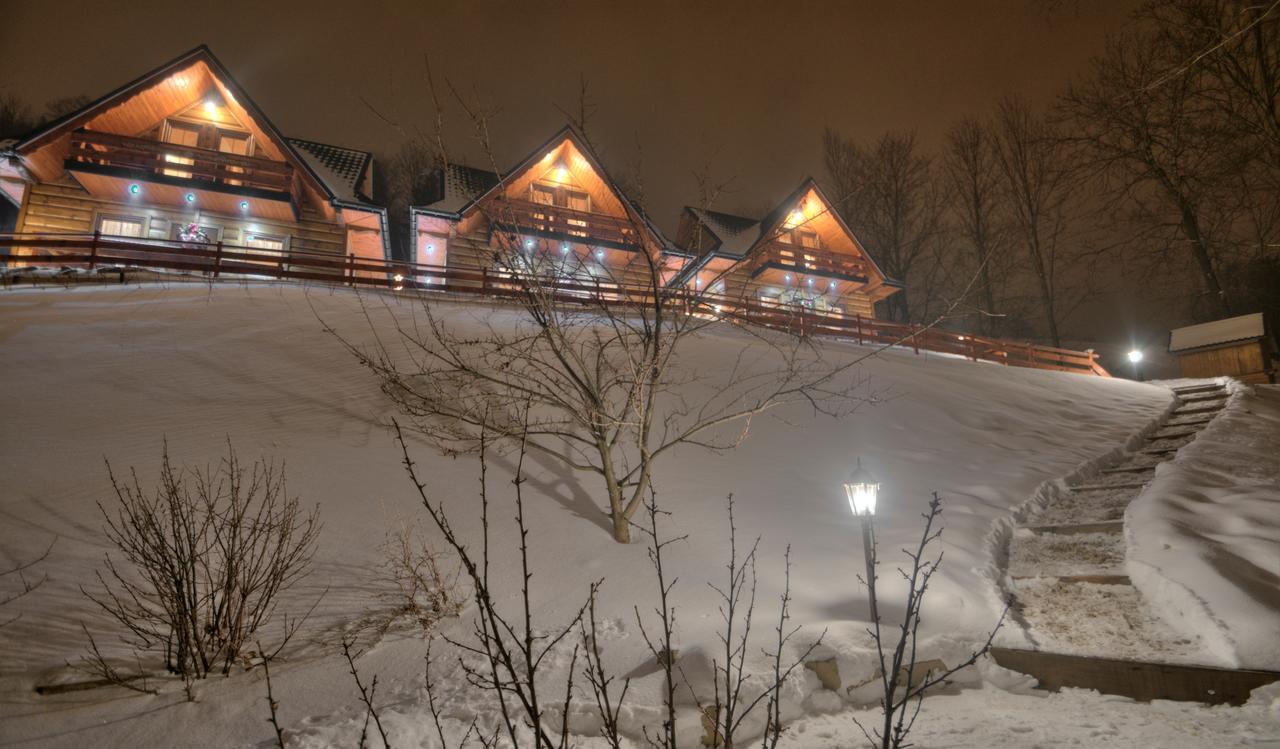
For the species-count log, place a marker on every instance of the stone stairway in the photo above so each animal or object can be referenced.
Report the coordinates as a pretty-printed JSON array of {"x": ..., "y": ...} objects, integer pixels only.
[{"x": 1067, "y": 584}]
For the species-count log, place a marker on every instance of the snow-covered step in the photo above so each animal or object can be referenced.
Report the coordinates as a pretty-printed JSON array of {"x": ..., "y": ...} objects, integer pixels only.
[
  {"x": 1069, "y": 529},
  {"x": 1103, "y": 505},
  {"x": 1131, "y": 469},
  {"x": 1191, "y": 389},
  {"x": 1173, "y": 435},
  {"x": 1099, "y": 486},
  {"x": 1065, "y": 555},
  {"x": 1197, "y": 410},
  {"x": 1159, "y": 451},
  {"x": 1186, "y": 421},
  {"x": 1204, "y": 398},
  {"x": 1083, "y": 618}
]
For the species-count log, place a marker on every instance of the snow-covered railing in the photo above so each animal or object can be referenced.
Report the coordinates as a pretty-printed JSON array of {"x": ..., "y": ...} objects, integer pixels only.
[{"x": 216, "y": 259}]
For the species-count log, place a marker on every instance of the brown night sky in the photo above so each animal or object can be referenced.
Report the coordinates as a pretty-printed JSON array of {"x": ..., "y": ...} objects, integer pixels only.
[{"x": 743, "y": 86}]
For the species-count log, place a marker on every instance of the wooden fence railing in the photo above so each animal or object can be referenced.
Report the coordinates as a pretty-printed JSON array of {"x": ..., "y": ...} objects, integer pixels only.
[
  {"x": 217, "y": 259},
  {"x": 188, "y": 162}
]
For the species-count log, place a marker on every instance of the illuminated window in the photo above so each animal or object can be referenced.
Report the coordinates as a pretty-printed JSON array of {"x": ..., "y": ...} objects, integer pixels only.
[
  {"x": 234, "y": 143},
  {"x": 264, "y": 243},
  {"x": 180, "y": 134},
  {"x": 121, "y": 226}
]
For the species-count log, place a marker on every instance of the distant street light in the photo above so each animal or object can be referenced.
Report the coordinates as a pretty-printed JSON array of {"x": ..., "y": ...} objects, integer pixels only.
[
  {"x": 861, "y": 489},
  {"x": 1135, "y": 358}
]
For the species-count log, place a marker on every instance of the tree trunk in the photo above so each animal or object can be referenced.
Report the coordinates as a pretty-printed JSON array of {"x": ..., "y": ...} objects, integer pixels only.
[
  {"x": 1191, "y": 229},
  {"x": 621, "y": 528}
]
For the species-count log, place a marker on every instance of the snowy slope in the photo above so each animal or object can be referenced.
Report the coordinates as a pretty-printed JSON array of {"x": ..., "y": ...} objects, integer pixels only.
[
  {"x": 1205, "y": 534},
  {"x": 111, "y": 372}
]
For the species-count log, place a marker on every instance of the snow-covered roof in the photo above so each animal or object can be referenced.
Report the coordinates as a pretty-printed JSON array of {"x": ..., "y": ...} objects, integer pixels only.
[
  {"x": 1218, "y": 332},
  {"x": 457, "y": 186},
  {"x": 737, "y": 234},
  {"x": 341, "y": 169}
]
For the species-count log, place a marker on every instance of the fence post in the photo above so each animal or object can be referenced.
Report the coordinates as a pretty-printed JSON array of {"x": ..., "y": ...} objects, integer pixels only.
[
  {"x": 859, "y": 319},
  {"x": 217, "y": 259},
  {"x": 1031, "y": 357},
  {"x": 351, "y": 268},
  {"x": 915, "y": 339},
  {"x": 93, "y": 249}
]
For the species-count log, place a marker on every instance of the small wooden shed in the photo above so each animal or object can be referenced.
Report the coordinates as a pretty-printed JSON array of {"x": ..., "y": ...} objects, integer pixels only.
[{"x": 1239, "y": 347}]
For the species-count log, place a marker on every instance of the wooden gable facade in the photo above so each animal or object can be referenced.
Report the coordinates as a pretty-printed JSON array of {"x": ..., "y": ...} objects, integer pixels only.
[
  {"x": 183, "y": 148},
  {"x": 801, "y": 255},
  {"x": 557, "y": 212}
]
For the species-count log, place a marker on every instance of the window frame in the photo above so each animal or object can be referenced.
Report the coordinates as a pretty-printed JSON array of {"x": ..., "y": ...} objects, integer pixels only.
[{"x": 141, "y": 221}]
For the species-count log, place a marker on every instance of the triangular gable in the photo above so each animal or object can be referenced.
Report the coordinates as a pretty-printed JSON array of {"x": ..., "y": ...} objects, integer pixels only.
[
  {"x": 172, "y": 87},
  {"x": 792, "y": 211},
  {"x": 567, "y": 158}
]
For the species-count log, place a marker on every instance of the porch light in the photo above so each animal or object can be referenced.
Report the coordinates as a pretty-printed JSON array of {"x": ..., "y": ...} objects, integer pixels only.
[
  {"x": 528, "y": 243},
  {"x": 564, "y": 247},
  {"x": 810, "y": 281},
  {"x": 1135, "y": 356},
  {"x": 832, "y": 284},
  {"x": 795, "y": 219},
  {"x": 431, "y": 248},
  {"x": 600, "y": 254},
  {"x": 399, "y": 278},
  {"x": 244, "y": 205},
  {"x": 191, "y": 197},
  {"x": 210, "y": 107},
  {"x": 787, "y": 278},
  {"x": 134, "y": 189}
]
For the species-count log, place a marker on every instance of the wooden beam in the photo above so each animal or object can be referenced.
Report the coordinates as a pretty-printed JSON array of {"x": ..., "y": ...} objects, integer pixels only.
[{"x": 1137, "y": 680}]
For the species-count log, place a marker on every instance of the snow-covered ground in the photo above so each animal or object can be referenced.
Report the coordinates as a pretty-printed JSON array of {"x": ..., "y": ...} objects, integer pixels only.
[{"x": 93, "y": 373}]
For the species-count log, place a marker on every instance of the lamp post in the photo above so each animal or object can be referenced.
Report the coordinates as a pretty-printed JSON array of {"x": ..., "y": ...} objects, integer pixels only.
[
  {"x": 1135, "y": 358},
  {"x": 861, "y": 489}
]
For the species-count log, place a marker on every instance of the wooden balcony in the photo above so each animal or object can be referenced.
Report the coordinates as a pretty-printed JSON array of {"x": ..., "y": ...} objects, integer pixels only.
[
  {"x": 155, "y": 161},
  {"x": 524, "y": 216},
  {"x": 791, "y": 258}
]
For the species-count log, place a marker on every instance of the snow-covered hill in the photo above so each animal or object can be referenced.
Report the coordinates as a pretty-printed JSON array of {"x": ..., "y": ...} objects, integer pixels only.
[{"x": 95, "y": 373}]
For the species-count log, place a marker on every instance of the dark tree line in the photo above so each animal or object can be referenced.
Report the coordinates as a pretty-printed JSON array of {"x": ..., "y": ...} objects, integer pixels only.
[{"x": 1164, "y": 159}]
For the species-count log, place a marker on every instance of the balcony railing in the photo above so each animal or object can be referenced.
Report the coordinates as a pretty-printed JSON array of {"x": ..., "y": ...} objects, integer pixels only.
[
  {"x": 182, "y": 162},
  {"x": 801, "y": 260},
  {"x": 582, "y": 226}
]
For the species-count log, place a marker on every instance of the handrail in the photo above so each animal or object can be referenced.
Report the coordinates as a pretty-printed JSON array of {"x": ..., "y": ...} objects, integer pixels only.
[
  {"x": 110, "y": 149},
  {"x": 218, "y": 259},
  {"x": 520, "y": 214},
  {"x": 801, "y": 260}
]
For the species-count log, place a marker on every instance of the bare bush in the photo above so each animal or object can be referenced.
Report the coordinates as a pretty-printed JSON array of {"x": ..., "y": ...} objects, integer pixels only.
[
  {"x": 205, "y": 557},
  {"x": 25, "y": 584},
  {"x": 903, "y": 689},
  {"x": 426, "y": 590}
]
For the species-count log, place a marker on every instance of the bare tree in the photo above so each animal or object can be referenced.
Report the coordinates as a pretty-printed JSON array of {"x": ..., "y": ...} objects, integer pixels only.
[
  {"x": 206, "y": 557},
  {"x": 592, "y": 370},
  {"x": 1150, "y": 129},
  {"x": 886, "y": 193},
  {"x": 1038, "y": 181},
  {"x": 972, "y": 173}
]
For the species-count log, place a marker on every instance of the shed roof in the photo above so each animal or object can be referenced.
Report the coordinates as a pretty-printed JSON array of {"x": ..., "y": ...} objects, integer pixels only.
[{"x": 1216, "y": 333}]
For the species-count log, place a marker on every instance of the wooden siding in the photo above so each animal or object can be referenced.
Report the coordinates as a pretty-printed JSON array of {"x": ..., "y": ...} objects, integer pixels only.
[
  {"x": 63, "y": 206},
  {"x": 1248, "y": 361}
]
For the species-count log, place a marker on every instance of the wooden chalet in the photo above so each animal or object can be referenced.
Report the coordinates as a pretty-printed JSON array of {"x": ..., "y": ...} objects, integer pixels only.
[
  {"x": 801, "y": 255},
  {"x": 557, "y": 213},
  {"x": 183, "y": 154}
]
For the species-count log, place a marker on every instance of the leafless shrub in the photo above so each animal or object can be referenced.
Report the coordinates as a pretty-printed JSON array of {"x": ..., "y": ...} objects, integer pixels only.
[
  {"x": 205, "y": 557},
  {"x": 902, "y": 694},
  {"x": 25, "y": 584},
  {"x": 426, "y": 590}
]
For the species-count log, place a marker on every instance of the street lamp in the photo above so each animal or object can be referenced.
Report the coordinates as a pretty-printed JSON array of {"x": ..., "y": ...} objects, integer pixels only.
[
  {"x": 1135, "y": 358},
  {"x": 861, "y": 489}
]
